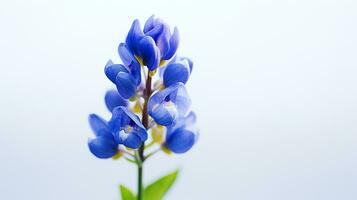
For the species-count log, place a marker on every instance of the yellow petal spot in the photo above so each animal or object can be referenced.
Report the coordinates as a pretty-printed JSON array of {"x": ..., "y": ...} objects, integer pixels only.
[
  {"x": 162, "y": 63},
  {"x": 137, "y": 107},
  {"x": 140, "y": 60},
  {"x": 152, "y": 73},
  {"x": 169, "y": 104},
  {"x": 128, "y": 129},
  {"x": 117, "y": 155},
  {"x": 161, "y": 87},
  {"x": 160, "y": 127},
  {"x": 157, "y": 134},
  {"x": 158, "y": 85}
]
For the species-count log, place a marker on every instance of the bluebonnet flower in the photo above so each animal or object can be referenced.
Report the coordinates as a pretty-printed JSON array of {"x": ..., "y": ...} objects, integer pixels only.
[
  {"x": 153, "y": 44},
  {"x": 113, "y": 99},
  {"x": 168, "y": 104},
  {"x": 123, "y": 128},
  {"x": 160, "y": 32},
  {"x": 129, "y": 60},
  {"x": 160, "y": 99},
  {"x": 103, "y": 145},
  {"x": 168, "y": 107},
  {"x": 122, "y": 77},
  {"x": 181, "y": 136},
  {"x": 127, "y": 128},
  {"x": 178, "y": 70}
]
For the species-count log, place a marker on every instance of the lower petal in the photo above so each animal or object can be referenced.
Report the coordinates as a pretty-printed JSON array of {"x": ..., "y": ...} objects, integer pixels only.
[
  {"x": 102, "y": 147},
  {"x": 113, "y": 99},
  {"x": 97, "y": 123},
  {"x": 111, "y": 70},
  {"x": 180, "y": 141},
  {"x": 175, "y": 73},
  {"x": 126, "y": 85},
  {"x": 149, "y": 52},
  {"x": 174, "y": 43},
  {"x": 130, "y": 140},
  {"x": 163, "y": 115},
  {"x": 182, "y": 100}
]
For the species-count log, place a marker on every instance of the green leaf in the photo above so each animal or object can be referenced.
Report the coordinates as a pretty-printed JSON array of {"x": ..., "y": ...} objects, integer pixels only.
[
  {"x": 126, "y": 193},
  {"x": 157, "y": 189}
]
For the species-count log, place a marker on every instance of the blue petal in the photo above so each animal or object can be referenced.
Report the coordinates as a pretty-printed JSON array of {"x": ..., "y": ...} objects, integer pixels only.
[
  {"x": 130, "y": 140},
  {"x": 130, "y": 61},
  {"x": 174, "y": 43},
  {"x": 190, "y": 63},
  {"x": 113, "y": 99},
  {"x": 176, "y": 94},
  {"x": 185, "y": 61},
  {"x": 180, "y": 141},
  {"x": 111, "y": 70},
  {"x": 174, "y": 73},
  {"x": 119, "y": 119},
  {"x": 97, "y": 123},
  {"x": 154, "y": 27},
  {"x": 126, "y": 85},
  {"x": 133, "y": 117},
  {"x": 122, "y": 117},
  {"x": 160, "y": 96},
  {"x": 127, "y": 56},
  {"x": 155, "y": 31},
  {"x": 134, "y": 36},
  {"x": 162, "y": 41},
  {"x": 102, "y": 147},
  {"x": 141, "y": 133},
  {"x": 190, "y": 119},
  {"x": 188, "y": 122},
  {"x": 139, "y": 128},
  {"x": 181, "y": 99},
  {"x": 149, "y": 52},
  {"x": 162, "y": 115},
  {"x": 149, "y": 24}
]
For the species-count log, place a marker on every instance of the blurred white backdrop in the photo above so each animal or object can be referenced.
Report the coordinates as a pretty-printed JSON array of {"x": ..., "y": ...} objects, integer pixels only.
[{"x": 274, "y": 87}]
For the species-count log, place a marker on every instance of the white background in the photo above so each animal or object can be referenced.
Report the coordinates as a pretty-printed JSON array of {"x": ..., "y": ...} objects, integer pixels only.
[{"x": 274, "y": 87}]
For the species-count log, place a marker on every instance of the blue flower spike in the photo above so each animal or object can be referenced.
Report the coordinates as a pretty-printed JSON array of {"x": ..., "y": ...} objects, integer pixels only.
[
  {"x": 103, "y": 145},
  {"x": 127, "y": 128},
  {"x": 168, "y": 104},
  {"x": 150, "y": 97}
]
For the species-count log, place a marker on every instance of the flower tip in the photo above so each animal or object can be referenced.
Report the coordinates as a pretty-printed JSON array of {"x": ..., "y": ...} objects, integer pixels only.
[
  {"x": 152, "y": 17},
  {"x": 91, "y": 116},
  {"x": 136, "y": 22},
  {"x": 109, "y": 62},
  {"x": 102, "y": 147},
  {"x": 121, "y": 45}
]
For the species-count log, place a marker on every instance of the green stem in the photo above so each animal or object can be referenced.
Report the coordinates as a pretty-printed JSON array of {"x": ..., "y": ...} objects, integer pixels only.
[
  {"x": 140, "y": 182},
  {"x": 145, "y": 121}
]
